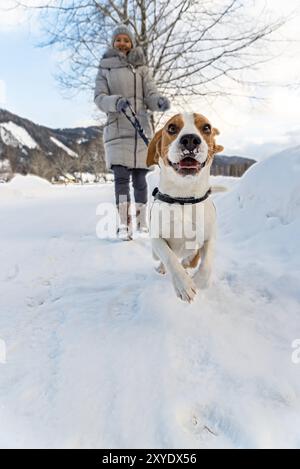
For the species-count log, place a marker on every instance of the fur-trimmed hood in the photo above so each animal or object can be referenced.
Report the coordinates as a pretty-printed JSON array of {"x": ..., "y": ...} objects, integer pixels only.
[{"x": 112, "y": 58}]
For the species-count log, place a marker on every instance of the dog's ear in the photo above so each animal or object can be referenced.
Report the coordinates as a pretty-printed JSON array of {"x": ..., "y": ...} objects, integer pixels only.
[
  {"x": 154, "y": 149},
  {"x": 216, "y": 148}
]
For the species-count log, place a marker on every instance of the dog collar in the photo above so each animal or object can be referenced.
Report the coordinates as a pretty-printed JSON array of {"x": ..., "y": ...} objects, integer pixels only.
[{"x": 179, "y": 200}]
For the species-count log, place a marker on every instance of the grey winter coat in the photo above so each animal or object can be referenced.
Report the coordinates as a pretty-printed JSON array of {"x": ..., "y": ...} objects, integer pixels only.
[{"x": 128, "y": 77}]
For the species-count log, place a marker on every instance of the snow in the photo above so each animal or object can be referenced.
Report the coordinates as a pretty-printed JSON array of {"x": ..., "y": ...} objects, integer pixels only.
[
  {"x": 16, "y": 136},
  {"x": 101, "y": 354},
  {"x": 24, "y": 186},
  {"x": 270, "y": 192},
  {"x": 64, "y": 147},
  {"x": 264, "y": 208},
  {"x": 80, "y": 141}
]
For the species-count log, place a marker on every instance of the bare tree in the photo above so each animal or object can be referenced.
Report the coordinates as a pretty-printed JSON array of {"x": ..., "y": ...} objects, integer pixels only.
[
  {"x": 97, "y": 169},
  {"x": 6, "y": 172},
  {"x": 194, "y": 47},
  {"x": 41, "y": 166},
  {"x": 64, "y": 167}
]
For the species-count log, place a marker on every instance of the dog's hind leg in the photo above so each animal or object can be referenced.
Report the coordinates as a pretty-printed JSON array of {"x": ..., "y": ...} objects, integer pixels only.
[
  {"x": 202, "y": 276},
  {"x": 160, "y": 269},
  {"x": 191, "y": 261},
  {"x": 155, "y": 256}
]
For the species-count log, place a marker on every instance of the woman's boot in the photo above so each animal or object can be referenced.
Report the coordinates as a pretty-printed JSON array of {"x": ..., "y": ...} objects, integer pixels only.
[
  {"x": 141, "y": 218},
  {"x": 124, "y": 230}
]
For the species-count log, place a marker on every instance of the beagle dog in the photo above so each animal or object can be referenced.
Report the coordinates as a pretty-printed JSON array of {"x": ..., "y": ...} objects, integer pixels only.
[{"x": 182, "y": 216}]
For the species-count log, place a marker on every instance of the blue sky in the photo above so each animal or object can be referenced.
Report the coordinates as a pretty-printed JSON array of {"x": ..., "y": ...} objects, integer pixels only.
[{"x": 29, "y": 89}]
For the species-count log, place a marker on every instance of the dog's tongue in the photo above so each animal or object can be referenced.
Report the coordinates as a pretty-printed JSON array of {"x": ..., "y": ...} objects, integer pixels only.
[{"x": 188, "y": 163}]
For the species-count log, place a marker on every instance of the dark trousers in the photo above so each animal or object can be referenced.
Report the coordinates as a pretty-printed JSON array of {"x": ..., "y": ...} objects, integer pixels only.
[{"x": 122, "y": 179}]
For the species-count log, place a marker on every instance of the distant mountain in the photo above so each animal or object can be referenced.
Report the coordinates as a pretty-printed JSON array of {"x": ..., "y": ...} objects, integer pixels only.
[
  {"x": 26, "y": 147},
  {"x": 230, "y": 165},
  {"x": 263, "y": 150},
  {"x": 62, "y": 154}
]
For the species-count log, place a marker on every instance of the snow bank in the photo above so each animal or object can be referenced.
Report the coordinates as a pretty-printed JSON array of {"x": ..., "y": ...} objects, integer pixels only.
[
  {"x": 223, "y": 182},
  {"x": 16, "y": 136},
  {"x": 25, "y": 186},
  {"x": 264, "y": 208}
]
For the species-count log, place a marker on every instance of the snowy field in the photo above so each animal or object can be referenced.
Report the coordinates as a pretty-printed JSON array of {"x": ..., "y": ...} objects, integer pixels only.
[{"x": 101, "y": 354}]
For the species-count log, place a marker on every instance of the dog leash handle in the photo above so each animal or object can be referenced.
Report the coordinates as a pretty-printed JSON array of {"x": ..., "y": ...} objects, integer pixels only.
[{"x": 136, "y": 124}]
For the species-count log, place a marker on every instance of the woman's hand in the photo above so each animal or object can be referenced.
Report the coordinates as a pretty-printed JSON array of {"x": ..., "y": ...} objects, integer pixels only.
[
  {"x": 163, "y": 104},
  {"x": 122, "y": 104}
]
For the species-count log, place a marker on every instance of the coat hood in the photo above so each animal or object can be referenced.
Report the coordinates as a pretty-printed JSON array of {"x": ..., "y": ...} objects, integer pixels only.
[{"x": 112, "y": 58}]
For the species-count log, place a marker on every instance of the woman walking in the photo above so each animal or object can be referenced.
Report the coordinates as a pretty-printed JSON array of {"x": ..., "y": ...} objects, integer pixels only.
[{"x": 124, "y": 80}]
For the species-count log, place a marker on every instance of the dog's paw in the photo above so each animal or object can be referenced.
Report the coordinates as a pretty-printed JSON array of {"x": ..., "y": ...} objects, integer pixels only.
[
  {"x": 202, "y": 279},
  {"x": 160, "y": 269},
  {"x": 185, "y": 287}
]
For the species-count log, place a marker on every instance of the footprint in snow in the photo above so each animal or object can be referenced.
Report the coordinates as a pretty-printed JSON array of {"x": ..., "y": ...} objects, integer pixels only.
[
  {"x": 194, "y": 420},
  {"x": 125, "y": 305},
  {"x": 33, "y": 302},
  {"x": 12, "y": 273}
]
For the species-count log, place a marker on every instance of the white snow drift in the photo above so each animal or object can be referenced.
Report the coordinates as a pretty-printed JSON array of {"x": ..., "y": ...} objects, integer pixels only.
[{"x": 25, "y": 186}]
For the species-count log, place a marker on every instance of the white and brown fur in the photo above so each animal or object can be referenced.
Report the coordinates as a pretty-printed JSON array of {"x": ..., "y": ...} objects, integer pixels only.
[{"x": 176, "y": 254}]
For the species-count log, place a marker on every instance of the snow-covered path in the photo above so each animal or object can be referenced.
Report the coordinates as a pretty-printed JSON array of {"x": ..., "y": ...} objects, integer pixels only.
[{"x": 101, "y": 353}]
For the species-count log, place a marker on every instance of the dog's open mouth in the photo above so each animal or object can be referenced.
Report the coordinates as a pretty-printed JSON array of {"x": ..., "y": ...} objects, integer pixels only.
[{"x": 187, "y": 165}]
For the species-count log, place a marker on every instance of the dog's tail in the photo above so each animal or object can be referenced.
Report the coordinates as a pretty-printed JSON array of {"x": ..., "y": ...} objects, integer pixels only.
[{"x": 215, "y": 189}]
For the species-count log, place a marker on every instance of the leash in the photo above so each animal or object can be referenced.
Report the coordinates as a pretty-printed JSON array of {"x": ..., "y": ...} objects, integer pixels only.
[{"x": 136, "y": 124}]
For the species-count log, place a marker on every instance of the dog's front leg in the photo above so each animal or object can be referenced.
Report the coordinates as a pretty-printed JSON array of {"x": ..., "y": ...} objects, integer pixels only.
[
  {"x": 184, "y": 285},
  {"x": 202, "y": 276}
]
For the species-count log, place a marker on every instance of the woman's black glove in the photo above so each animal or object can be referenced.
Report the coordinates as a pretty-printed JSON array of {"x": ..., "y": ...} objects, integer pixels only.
[
  {"x": 122, "y": 104},
  {"x": 163, "y": 104}
]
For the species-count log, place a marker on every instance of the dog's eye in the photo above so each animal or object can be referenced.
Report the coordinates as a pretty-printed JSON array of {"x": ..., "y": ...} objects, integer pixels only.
[
  {"x": 172, "y": 129},
  {"x": 207, "y": 128}
]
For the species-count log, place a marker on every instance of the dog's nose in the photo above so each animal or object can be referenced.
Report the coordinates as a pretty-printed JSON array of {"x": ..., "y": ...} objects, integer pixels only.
[{"x": 190, "y": 142}]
